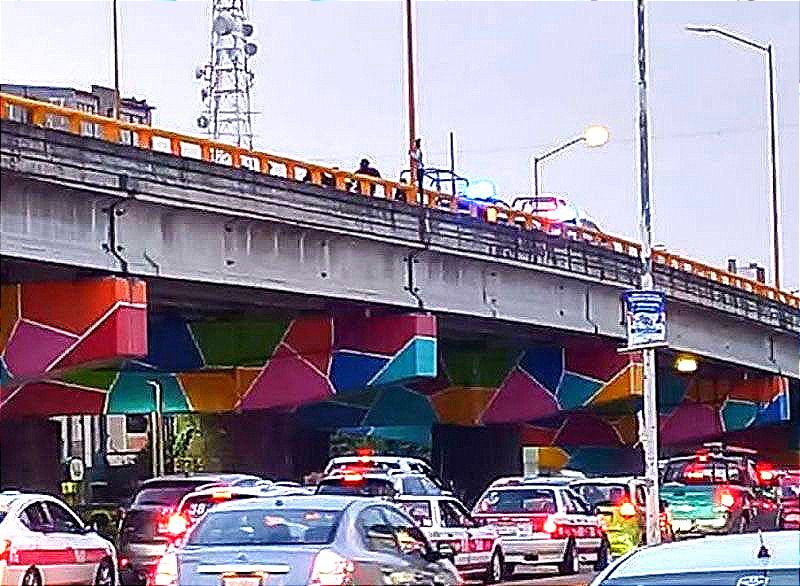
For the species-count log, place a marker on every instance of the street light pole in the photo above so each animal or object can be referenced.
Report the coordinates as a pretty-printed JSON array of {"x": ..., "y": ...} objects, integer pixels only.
[
  {"x": 649, "y": 421},
  {"x": 773, "y": 139},
  {"x": 540, "y": 158},
  {"x": 116, "y": 62},
  {"x": 412, "y": 131},
  {"x": 594, "y": 136}
]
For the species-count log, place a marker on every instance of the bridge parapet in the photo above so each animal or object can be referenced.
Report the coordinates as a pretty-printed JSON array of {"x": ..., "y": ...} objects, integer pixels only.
[{"x": 680, "y": 276}]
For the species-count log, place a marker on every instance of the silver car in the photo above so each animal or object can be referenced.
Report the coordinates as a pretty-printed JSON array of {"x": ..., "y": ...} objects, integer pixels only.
[
  {"x": 765, "y": 559},
  {"x": 306, "y": 540}
]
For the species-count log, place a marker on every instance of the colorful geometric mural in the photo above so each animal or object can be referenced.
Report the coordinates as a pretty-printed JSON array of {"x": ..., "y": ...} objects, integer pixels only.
[
  {"x": 217, "y": 366},
  {"x": 49, "y": 328},
  {"x": 480, "y": 386}
]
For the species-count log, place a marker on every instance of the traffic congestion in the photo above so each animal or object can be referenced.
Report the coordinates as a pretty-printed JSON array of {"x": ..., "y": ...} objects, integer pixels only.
[{"x": 381, "y": 519}]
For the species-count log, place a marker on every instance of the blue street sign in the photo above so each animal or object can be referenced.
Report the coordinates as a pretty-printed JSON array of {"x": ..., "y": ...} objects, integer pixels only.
[{"x": 646, "y": 318}]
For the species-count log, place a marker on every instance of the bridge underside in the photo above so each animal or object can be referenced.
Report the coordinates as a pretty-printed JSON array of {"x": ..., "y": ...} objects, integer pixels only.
[{"x": 101, "y": 345}]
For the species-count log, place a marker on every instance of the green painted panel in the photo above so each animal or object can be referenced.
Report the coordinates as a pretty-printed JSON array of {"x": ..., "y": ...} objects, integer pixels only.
[
  {"x": 358, "y": 399},
  {"x": 133, "y": 393},
  {"x": 478, "y": 367},
  {"x": 575, "y": 390},
  {"x": 95, "y": 379},
  {"x": 238, "y": 343},
  {"x": 399, "y": 406},
  {"x": 738, "y": 414}
]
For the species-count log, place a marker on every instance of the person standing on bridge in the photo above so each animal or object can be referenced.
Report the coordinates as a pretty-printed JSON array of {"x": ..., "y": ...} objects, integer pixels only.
[
  {"x": 364, "y": 168},
  {"x": 416, "y": 157}
]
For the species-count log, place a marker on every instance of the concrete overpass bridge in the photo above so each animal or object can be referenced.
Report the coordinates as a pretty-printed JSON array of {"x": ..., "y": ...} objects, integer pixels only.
[{"x": 258, "y": 250}]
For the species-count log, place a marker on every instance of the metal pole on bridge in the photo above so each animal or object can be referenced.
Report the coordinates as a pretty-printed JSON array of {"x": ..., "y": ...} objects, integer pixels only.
[
  {"x": 649, "y": 429},
  {"x": 412, "y": 131},
  {"x": 117, "y": 100}
]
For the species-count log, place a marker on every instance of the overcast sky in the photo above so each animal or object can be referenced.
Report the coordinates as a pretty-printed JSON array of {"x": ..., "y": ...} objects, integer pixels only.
[{"x": 512, "y": 79}]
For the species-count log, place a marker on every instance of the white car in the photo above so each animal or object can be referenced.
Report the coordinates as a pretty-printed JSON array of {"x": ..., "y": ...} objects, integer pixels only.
[
  {"x": 542, "y": 522},
  {"x": 443, "y": 519},
  {"x": 43, "y": 543}
]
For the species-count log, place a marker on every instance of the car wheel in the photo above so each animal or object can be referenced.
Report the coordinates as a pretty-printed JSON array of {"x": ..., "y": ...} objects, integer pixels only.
[
  {"x": 602, "y": 556},
  {"x": 105, "y": 574},
  {"x": 570, "y": 564},
  {"x": 495, "y": 571},
  {"x": 32, "y": 578}
]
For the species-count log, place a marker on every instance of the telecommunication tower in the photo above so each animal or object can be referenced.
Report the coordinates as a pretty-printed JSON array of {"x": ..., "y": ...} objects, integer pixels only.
[{"x": 227, "y": 77}]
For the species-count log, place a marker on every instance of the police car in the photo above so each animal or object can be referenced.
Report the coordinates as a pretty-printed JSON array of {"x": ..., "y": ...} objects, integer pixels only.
[
  {"x": 443, "y": 519},
  {"x": 43, "y": 542},
  {"x": 542, "y": 522}
]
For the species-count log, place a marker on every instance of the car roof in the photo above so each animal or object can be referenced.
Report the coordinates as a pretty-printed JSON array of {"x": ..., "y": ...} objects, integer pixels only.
[
  {"x": 333, "y": 502},
  {"x": 708, "y": 554},
  {"x": 180, "y": 478},
  {"x": 606, "y": 480}
]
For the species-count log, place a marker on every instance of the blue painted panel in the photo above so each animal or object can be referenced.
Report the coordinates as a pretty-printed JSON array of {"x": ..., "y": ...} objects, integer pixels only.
[
  {"x": 352, "y": 371},
  {"x": 545, "y": 365}
]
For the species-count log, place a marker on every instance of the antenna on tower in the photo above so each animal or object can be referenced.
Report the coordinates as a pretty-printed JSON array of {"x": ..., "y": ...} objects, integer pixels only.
[{"x": 227, "y": 77}]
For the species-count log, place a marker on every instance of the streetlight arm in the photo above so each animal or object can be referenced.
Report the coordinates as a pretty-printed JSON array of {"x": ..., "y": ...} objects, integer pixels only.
[
  {"x": 559, "y": 149},
  {"x": 718, "y": 31}
]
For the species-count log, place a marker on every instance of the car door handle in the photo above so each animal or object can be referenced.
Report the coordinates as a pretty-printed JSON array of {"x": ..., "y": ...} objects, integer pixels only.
[{"x": 388, "y": 570}]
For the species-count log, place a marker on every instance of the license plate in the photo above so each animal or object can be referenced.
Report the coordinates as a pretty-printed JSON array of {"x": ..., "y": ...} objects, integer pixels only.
[
  {"x": 241, "y": 581},
  {"x": 507, "y": 530}
]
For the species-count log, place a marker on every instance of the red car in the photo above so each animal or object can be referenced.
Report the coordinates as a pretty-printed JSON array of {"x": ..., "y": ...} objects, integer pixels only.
[{"x": 789, "y": 513}]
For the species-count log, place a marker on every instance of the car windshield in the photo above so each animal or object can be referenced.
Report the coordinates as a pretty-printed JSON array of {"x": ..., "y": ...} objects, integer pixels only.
[
  {"x": 711, "y": 471},
  {"x": 599, "y": 493},
  {"x": 420, "y": 511},
  {"x": 360, "y": 487},
  {"x": 163, "y": 495},
  {"x": 266, "y": 527},
  {"x": 518, "y": 500}
]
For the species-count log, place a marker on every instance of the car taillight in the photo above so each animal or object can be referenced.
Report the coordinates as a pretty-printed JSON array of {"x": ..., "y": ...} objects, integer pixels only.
[
  {"x": 177, "y": 525},
  {"x": 166, "y": 573},
  {"x": 5, "y": 550},
  {"x": 331, "y": 569},
  {"x": 478, "y": 544},
  {"x": 627, "y": 509},
  {"x": 550, "y": 526},
  {"x": 726, "y": 499}
]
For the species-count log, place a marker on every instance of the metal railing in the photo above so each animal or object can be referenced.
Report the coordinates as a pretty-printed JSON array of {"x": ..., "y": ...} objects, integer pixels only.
[{"x": 91, "y": 125}]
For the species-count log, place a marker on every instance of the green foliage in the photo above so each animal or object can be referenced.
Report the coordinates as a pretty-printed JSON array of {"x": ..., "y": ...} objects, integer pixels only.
[{"x": 344, "y": 444}]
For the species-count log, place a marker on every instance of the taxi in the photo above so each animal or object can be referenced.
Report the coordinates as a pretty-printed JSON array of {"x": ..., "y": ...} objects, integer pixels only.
[
  {"x": 542, "y": 522},
  {"x": 444, "y": 520},
  {"x": 620, "y": 504},
  {"x": 42, "y": 542}
]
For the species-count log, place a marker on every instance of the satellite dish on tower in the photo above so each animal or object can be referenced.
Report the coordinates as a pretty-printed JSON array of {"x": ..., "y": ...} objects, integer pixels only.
[
  {"x": 202, "y": 121},
  {"x": 199, "y": 72},
  {"x": 250, "y": 49},
  {"x": 247, "y": 29}
]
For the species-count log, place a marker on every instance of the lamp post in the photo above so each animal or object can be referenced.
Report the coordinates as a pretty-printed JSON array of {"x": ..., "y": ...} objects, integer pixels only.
[
  {"x": 773, "y": 147},
  {"x": 594, "y": 136},
  {"x": 648, "y": 429}
]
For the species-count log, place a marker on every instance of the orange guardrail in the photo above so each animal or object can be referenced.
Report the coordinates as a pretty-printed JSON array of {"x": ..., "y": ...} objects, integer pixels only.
[{"x": 183, "y": 145}]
